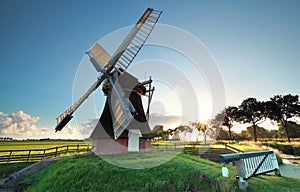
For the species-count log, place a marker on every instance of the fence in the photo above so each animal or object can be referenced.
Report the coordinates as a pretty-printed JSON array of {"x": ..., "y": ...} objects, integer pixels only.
[
  {"x": 192, "y": 147},
  {"x": 34, "y": 155},
  {"x": 178, "y": 146},
  {"x": 233, "y": 148}
]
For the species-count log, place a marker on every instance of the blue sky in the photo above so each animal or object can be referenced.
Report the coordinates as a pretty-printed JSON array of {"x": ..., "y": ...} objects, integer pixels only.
[{"x": 256, "y": 45}]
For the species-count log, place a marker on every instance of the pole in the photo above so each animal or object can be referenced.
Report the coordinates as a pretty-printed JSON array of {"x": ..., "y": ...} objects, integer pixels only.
[{"x": 28, "y": 156}]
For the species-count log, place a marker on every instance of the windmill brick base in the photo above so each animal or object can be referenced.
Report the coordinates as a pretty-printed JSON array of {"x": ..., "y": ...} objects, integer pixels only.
[{"x": 118, "y": 146}]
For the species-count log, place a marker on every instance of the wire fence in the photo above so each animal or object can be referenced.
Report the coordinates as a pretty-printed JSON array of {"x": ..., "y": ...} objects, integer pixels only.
[{"x": 34, "y": 155}]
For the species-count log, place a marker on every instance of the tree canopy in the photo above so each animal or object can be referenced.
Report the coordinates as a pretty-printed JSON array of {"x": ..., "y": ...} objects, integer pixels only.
[
  {"x": 282, "y": 108},
  {"x": 253, "y": 112}
]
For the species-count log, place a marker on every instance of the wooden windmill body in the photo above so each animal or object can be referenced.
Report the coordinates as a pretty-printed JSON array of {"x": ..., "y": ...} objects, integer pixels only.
[{"x": 136, "y": 136}]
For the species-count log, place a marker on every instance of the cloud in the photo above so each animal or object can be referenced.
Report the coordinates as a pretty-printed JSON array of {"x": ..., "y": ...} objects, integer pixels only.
[
  {"x": 88, "y": 126},
  {"x": 20, "y": 125},
  {"x": 168, "y": 121}
]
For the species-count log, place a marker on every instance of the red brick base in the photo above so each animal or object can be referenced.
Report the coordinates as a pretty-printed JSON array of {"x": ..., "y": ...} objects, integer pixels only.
[
  {"x": 145, "y": 145},
  {"x": 119, "y": 146}
]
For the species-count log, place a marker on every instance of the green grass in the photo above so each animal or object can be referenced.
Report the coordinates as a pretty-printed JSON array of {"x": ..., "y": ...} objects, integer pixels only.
[
  {"x": 11, "y": 168},
  {"x": 246, "y": 147},
  {"x": 181, "y": 173},
  {"x": 94, "y": 174},
  {"x": 26, "y": 145}
]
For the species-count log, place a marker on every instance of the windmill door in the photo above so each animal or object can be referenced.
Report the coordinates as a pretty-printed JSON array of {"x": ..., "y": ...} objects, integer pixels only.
[{"x": 134, "y": 140}]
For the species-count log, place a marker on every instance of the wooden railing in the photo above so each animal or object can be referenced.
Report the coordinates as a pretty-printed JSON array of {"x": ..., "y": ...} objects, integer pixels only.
[
  {"x": 176, "y": 146},
  {"x": 251, "y": 164},
  {"x": 233, "y": 148},
  {"x": 191, "y": 147},
  {"x": 34, "y": 155}
]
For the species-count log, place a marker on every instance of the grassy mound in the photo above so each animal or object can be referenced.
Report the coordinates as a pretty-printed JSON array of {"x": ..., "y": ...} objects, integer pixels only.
[{"x": 182, "y": 173}]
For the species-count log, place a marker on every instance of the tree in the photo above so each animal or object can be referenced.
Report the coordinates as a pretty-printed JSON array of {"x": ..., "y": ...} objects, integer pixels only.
[
  {"x": 260, "y": 132},
  {"x": 292, "y": 127},
  {"x": 156, "y": 131},
  {"x": 180, "y": 130},
  {"x": 216, "y": 125},
  {"x": 253, "y": 112},
  {"x": 229, "y": 118},
  {"x": 201, "y": 127},
  {"x": 282, "y": 109},
  {"x": 223, "y": 135},
  {"x": 243, "y": 135}
]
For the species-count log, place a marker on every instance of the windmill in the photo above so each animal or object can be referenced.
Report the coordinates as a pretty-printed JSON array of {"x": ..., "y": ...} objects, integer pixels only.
[{"x": 123, "y": 123}]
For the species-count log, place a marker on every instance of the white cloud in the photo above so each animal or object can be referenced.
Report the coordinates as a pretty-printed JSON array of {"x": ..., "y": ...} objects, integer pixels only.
[
  {"x": 88, "y": 126},
  {"x": 168, "y": 121},
  {"x": 20, "y": 125}
]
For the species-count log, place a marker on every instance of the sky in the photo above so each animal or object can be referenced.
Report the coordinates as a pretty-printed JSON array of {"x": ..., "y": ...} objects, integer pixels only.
[{"x": 254, "y": 44}]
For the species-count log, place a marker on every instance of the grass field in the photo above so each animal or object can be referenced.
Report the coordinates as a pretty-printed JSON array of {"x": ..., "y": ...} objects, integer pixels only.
[
  {"x": 31, "y": 151},
  {"x": 182, "y": 173},
  {"x": 246, "y": 146},
  {"x": 27, "y": 145}
]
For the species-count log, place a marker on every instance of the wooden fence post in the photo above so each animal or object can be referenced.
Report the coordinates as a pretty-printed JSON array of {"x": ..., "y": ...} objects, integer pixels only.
[
  {"x": 67, "y": 149},
  {"x": 77, "y": 147},
  {"x": 9, "y": 156},
  {"x": 28, "y": 156},
  {"x": 44, "y": 154},
  {"x": 56, "y": 151}
]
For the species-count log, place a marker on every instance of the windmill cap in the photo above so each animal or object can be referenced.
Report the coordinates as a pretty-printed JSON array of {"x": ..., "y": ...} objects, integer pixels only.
[{"x": 141, "y": 89}]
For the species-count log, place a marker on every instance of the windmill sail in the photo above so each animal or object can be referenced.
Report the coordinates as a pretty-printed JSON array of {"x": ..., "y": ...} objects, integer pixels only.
[
  {"x": 135, "y": 40},
  {"x": 121, "y": 59},
  {"x": 99, "y": 57},
  {"x": 120, "y": 105},
  {"x": 64, "y": 118}
]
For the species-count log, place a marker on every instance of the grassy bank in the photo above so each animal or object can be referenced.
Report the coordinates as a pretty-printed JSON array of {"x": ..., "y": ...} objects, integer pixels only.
[{"x": 182, "y": 173}]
